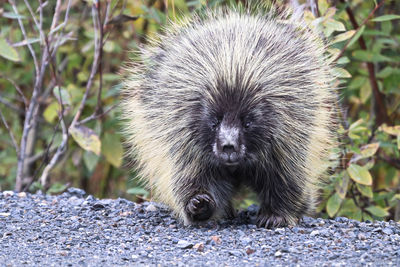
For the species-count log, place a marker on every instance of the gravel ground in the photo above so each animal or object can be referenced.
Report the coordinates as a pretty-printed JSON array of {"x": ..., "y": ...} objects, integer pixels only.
[{"x": 73, "y": 229}]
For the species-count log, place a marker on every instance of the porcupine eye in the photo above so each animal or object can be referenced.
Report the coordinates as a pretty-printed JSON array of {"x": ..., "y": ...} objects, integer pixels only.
[
  {"x": 214, "y": 124},
  {"x": 247, "y": 124}
]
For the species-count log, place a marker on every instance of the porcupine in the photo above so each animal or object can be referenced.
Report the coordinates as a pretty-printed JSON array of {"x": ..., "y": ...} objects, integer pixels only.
[{"x": 232, "y": 99}]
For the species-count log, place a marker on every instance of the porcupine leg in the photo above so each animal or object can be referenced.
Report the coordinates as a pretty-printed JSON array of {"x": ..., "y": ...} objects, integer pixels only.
[
  {"x": 213, "y": 200},
  {"x": 280, "y": 203}
]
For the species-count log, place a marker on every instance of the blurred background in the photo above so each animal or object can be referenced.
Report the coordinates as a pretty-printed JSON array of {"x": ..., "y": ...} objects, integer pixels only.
[{"x": 60, "y": 71}]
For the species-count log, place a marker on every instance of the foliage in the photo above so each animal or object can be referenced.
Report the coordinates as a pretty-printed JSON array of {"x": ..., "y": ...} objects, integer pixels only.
[{"x": 74, "y": 134}]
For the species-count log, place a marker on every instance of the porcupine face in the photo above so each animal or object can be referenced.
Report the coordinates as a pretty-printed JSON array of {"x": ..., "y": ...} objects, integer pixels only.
[{"x": 236, "y": 130}]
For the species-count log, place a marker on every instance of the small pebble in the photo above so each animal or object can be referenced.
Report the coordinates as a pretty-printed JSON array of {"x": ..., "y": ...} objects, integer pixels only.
[
  {"x": 183, "y": 244},
  {"x": 151, "y": 208}
]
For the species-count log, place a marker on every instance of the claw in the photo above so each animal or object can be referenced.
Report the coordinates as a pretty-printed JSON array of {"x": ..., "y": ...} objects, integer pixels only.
[
  {"x": 271, "y": 221},
  {"x": 200, "y": 207}
]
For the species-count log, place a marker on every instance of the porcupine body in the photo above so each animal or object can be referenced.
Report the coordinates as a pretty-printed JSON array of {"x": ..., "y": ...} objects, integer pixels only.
[{"x": 227, "y": 100}]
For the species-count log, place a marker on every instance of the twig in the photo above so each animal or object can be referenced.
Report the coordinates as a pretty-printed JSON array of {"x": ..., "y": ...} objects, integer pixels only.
[
  {"x": 21, "y": 25},
  {"x": 41, "y": 154},
  {"x": 60, "y": 151},
  {"x": 14, "y": 142},
  {"x": 18, "y": 90},
  {"x": 394, "y": 162},
  {"x": 100, "y": 70},
  {"x": 96, "y": 116},
  {"x": 11, "y": 106},
  {"x": 56, "y": 16},
  {"x": 380, "y": 109},
  {"x": 371, "y": 14},
  {"x": 97, "y": 48}
]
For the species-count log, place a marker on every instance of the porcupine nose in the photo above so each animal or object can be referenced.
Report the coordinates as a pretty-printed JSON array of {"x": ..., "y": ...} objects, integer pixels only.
[{"x": 231, "y": 153}]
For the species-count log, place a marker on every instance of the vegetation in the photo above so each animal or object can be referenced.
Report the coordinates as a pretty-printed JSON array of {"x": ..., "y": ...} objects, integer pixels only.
[{"x": 59, "y": 93}]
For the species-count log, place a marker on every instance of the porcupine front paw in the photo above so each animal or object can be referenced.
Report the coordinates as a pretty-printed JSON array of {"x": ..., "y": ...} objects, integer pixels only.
[{"x": 200, "y": 207}]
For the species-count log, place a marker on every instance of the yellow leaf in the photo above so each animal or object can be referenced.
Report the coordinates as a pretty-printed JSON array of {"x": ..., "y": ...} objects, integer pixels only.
[
  {"x": 86, "y": 138},
  {"x": 51, "y": 112},
  {"x": 359, "y": 174},
  {"x": 369, "y": 150},
  {"x": 343, "y": 36},
  {"x": 392, "y": 130}
]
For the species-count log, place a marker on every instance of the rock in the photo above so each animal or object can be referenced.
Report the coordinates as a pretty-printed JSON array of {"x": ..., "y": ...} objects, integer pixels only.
[
  {"x": 8, "y": 193},
  {"x": 361, "y": 236},
  {"x": 151, "y": 208},
  {"x": 76, "y": 192},
  {"x": 183, "y": 244},
  {"x": 249, "y": 250},
  {"x": 199, "y": 247},
  {"x": 314, "y": 233}
]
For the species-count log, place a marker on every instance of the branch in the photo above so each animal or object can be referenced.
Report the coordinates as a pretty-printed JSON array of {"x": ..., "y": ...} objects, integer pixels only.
[
  {"x": 95, "y": 65},
  {"x": 379, "y": 106},
  {"x": 11, "y": 106},
  {"x": 62, "y": 147},
  {"x": 21, "y": 26},
  {"x": 28, "y": 122}
]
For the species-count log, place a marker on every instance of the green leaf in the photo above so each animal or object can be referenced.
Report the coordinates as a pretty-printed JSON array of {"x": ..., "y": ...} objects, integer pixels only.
[
  {"x": 357, "y": 82},
  {"x": 396, "y": 197},
  {"x": 62, "y": 95},
  {"x": 359, "y": 174},
  {"x": 398, "y": 142},
  {"x": 90, "y": 159},
  {"x": 12, "y": 15},
  {"x": 386, "y": 72},
  {"x": 333, "y": 204},
  {"x": 357, "y": 215},
  {"x": 138, "y": 191},
  {"x": 112, "y": 149},
  {"x": 331, "y": 26},
  {"x": 56, "y": 188},
  {"x": 86, "y": 138},
  {"x": 366, "y": 216},
  {"x": 323, "y": 6},
  {"x": 341, "y": 73},
  {"x": 7, "y": 51},
  {"x": 341, "y": 186},
  {"x": 370, "y": 56},
  {"x": 356, "y": 36},
  {"x": 386, "y": 18},
  {"x": 365, "y": 92},
  {"x": 51, "y": 112},
  {"x": 365, "y": 190},
  {"x": 377, "y": 211}
]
